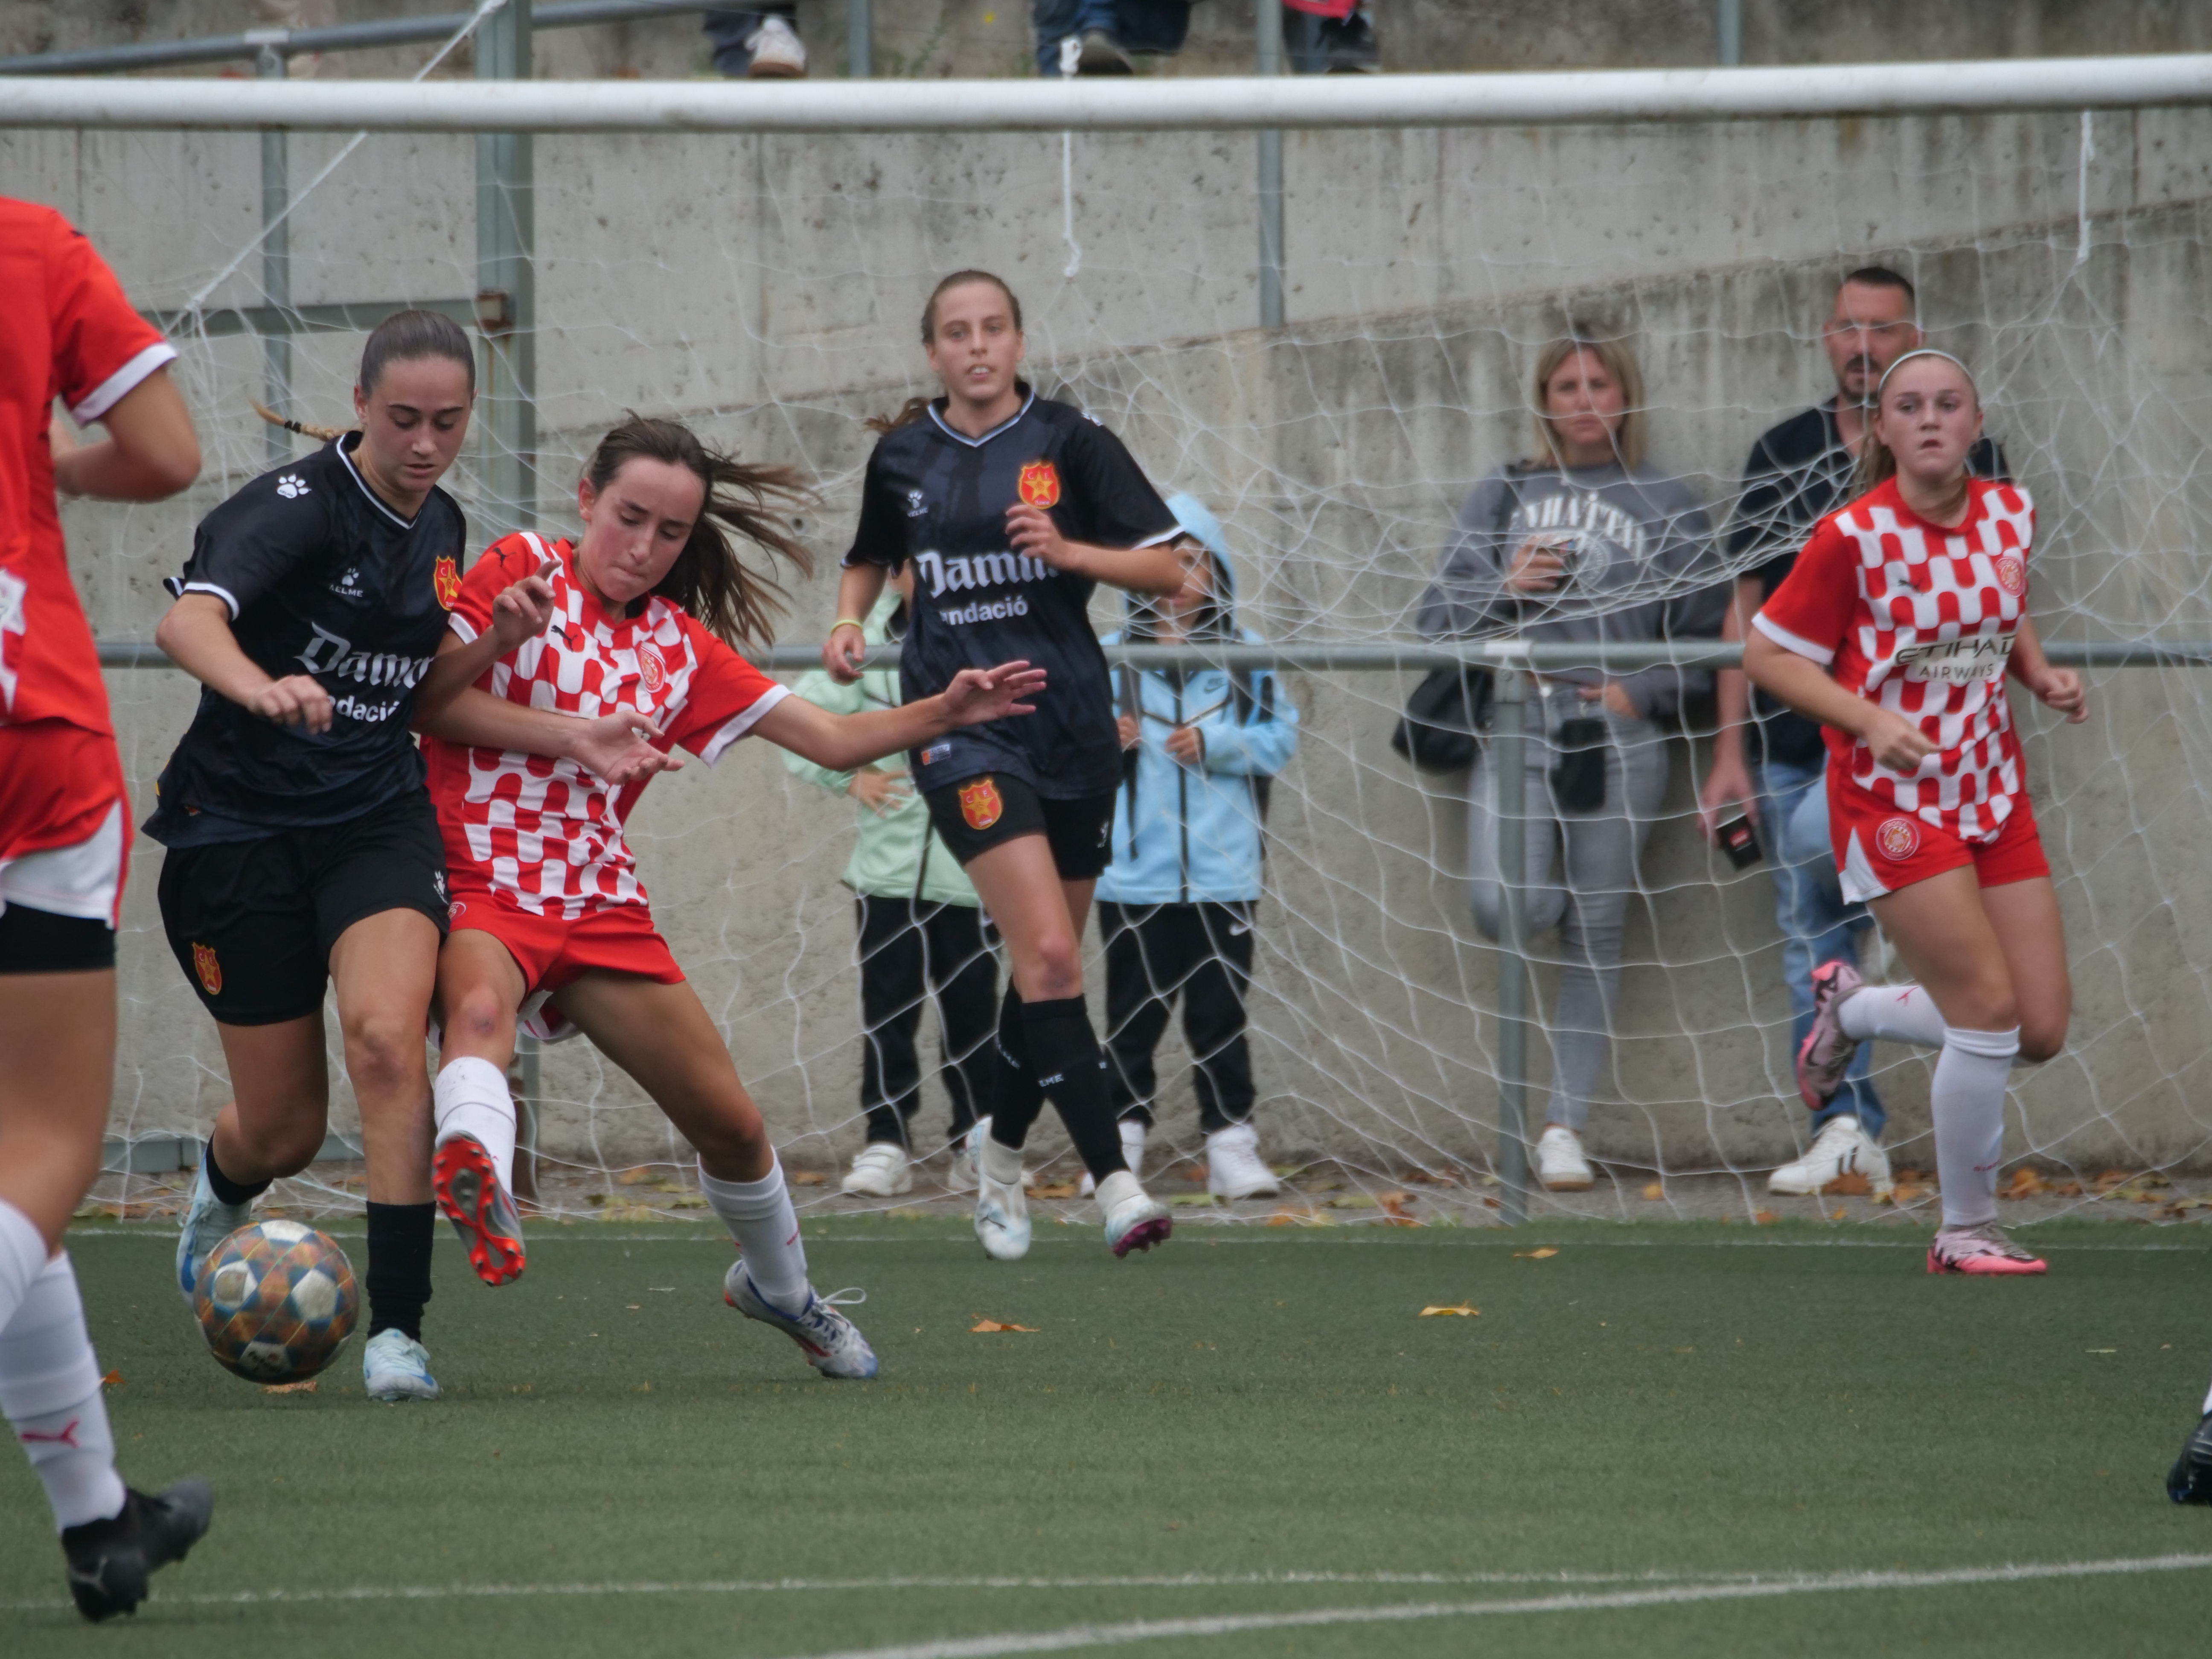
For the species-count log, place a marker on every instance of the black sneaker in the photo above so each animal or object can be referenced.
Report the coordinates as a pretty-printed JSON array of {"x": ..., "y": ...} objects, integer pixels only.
[
  {"x": 110, "y": 1561},
  {"x": 1350, "y": 44},
  {"x": 1101, "y": 54},
  {"x": 2189, "y": 1480}
]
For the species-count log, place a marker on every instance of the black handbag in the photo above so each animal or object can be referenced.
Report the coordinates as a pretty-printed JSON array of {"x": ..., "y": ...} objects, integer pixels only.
[{"x": 1438, "y": 729}]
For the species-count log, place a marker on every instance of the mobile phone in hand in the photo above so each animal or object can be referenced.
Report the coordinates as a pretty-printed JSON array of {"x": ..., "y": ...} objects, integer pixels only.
[{"x": 1739, "y": 842}]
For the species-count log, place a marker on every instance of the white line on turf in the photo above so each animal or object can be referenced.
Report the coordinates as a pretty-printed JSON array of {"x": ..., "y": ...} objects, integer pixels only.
[
  {"x": 1660, "y": 1588},
  {"x": 1151, "y": 1630}
]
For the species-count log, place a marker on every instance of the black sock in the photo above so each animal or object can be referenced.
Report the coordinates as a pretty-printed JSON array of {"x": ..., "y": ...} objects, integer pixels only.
[
  {"x": 1016, "y": 1100},
  {"x": 399, "y": 1237},
  {"x": 1070, "y": 1071},
  {"x": 225, "y": 1190}
]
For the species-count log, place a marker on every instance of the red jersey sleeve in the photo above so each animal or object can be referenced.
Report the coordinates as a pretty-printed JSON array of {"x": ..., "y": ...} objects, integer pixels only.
[
  {"x": 1811, "y": 612},
  {"x": 727, "y": 697},
  {"x": 102, "y": 348},
  {"x": 501, "y": 565}
]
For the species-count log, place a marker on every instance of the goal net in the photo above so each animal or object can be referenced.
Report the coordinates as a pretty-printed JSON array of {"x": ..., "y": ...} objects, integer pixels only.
[{"x": 768, "y": 288}]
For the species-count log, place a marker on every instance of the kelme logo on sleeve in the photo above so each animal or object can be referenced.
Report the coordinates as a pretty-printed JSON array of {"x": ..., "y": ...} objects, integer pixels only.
[{"x": 1039, "y": 484}]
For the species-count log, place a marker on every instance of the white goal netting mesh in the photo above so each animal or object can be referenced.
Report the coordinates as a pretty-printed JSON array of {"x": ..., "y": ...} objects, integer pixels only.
[{"x": 767, "y": 289}]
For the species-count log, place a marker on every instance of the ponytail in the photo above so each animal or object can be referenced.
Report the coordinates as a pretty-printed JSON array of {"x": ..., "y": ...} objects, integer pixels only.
[{"x": 708, "y": 581}]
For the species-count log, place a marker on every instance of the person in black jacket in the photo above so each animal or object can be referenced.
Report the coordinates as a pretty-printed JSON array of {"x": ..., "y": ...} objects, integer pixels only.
[{"x": 1770, "y": 761}]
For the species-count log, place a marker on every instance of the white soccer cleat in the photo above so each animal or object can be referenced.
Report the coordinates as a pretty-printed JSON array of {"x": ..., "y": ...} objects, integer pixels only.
[
  {"x": 882, "y": 1170},
  {"x": 1842, "y": 1147},
  {"x": 207, "y": 1221},
  {"x": 778, "y": 53},
  {"x": 394, "y": 1366},
  {"x": 1002, "y": 1215},
  {"x": 1132, "y": 1154},
  {"x": 1560, "y": 1165},
  {"x": 1134, "y": 1219},
  {"x": 1234, "y": 1168},
  {"x": 833, "y": 1344}
]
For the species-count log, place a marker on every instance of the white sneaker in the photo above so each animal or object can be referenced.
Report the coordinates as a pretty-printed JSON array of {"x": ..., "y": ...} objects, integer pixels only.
[
  {"x": 1560, "y": 1165},
  {"x": 832, "y": 1343},
  {"x": 882, "y": 1170},
  {"x": 1234, "y": 1168},
  {"x": 207, "y": 1221},
  {"x": 1134, "y": 1219},
  {"x": 394, "y": 1366},
  {"x": 778, "y": 53},
  {"x": 1841, "y": 1147},
  {"x": 1132, "y": 1154},
  {"x": 1002, "y": 1213},
  {"x": 960, "y": 1173}
]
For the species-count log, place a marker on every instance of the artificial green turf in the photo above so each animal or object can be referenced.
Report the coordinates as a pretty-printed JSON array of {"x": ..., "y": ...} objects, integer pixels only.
[{"x": 1657, "y": 1400}]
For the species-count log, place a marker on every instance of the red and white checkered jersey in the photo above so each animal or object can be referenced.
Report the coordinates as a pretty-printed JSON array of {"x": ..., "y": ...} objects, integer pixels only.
[
  {"x": 1920, "y": 619},
  {"x": 66, "y": 331},
  {"x": 546, "y": 834}
]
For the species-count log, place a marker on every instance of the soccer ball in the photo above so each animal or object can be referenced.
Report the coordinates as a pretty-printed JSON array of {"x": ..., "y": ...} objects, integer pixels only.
[{"x": 277, "y": 1302}]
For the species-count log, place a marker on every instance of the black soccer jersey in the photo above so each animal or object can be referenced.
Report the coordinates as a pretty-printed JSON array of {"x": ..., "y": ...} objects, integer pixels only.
[
  {"x": 321, "y": 577},
  {"x": 939, "y": 498}
]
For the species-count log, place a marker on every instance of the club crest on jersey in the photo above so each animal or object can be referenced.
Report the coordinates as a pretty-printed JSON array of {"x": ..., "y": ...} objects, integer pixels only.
[
  {"x": 980, "y": 805},
  {"x": 651, "y": 670},
  {"x": 2012, "y": 574},
  {"x": 209, "y": 969},
  {"x": 1898, "y": 839},
  {"x": 446, "y": 577},
  {"x": 1039, "y": 484}
]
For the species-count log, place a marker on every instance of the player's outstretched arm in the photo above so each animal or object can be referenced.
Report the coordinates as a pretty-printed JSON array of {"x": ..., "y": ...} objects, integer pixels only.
[
  {"x": 616, "y": 747},
  {"x": 196, "y": 633},
  {"x": 1160, "y": 568},
  {"x": 521, "y": 612},
  {"x": 844, "y": 743},
  {"x": 149, "y": 453},
  {"x": 1898, "y": 743}
]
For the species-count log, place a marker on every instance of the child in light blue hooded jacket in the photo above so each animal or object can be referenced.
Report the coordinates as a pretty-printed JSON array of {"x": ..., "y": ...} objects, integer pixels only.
[{"x": 1176, "y": 907}]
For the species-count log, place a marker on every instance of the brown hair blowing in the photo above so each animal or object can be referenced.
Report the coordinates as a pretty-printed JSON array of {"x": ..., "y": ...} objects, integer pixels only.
[
  {"x": 913, "y": 407},
  {"x": 708, "y": 581}
]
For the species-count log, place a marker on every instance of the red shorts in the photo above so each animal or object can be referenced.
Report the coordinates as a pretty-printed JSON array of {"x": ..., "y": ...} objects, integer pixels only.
[
  {"x": 1880, "y": 849},
  {"x": 620, "y": 939},
  {"x": 64, "y": 821}
]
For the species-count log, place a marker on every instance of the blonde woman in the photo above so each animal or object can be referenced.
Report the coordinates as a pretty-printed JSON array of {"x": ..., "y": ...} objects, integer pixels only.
[{"x": 1584, "y": 542}]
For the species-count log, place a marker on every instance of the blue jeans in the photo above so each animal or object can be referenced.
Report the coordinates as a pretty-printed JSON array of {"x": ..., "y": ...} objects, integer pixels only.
[
  {"x": 1817, "y": 925},
  {"x": 1135, "y": 25}
]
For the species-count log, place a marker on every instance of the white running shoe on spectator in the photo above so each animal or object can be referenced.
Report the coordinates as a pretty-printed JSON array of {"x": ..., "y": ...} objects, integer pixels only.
[
  {"x": 778, "y": 53},
  {"x": 1132, "y": 1154},
  {"x": 1841, "y": 1148},
  {"x": 1560, "y": 1165},
  {"x": 882, "y": 1170},
  {"x": 960, "y": 1172},
  {"x": 1234, "y": 1168}
]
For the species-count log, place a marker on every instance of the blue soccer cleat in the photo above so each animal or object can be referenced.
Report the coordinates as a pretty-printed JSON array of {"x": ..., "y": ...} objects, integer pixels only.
[
  {"x": 833, "y": 1344},
  {"x": 2189, "y": 1480},
  {"x": 207, "y": 1222}
]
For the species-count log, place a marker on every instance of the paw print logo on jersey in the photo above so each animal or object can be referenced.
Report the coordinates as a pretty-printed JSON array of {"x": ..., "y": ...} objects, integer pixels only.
[
  {"x": 652, "y": 671},
  {"x": 1899, "y": 839},
  {"x": 2012, "y": 574},
  {"x": 292, "y": 486},
  {"x": 205, "y": 965},
  {"x": 1039, "y": 484},
  {"x": 446, "y": 577},
  {"x": 980, "y": 805}
]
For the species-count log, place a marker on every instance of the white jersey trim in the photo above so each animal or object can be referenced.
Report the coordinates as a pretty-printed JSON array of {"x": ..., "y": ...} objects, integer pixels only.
[
  {"x": 119, "y": 385},
  {"x": 222, "y": 593},
  {"x": 460, "y": 625},
  {"x": 1011, "y": 421},
  {"x": 738, "y": 724},
  {"x": 374, "y": 499},
  {"x": 1782, "y": 636}
]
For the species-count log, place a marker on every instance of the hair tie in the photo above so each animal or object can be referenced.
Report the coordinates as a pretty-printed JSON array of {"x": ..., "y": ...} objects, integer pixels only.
[{"x": 1926, "y": 351}]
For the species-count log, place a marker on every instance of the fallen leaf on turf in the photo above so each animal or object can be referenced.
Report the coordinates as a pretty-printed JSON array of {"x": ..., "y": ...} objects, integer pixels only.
[
  {"x": 1838, "y": 1214},
  {"x": 1544, "y": 1254},
  {"x": 2025, "y": 1183},
  {"x": 112, "y": 1380},
  {"x": 1058, "y": 1189},
  {"x": 1187, "y": 1199},
  {"x": 308, "y": 1387},
  {"x": 1395, "y": 1203},
  {"x": 1762, "y": 1217},
  {"x": 993, "y": 1325},
  {"x": 1850, "y": 1184},
  {"x": 627, "y": 1212},
  {"x": 1352, "y": 1201},
  {"x": 632, "y": 1177},
  {"x": 1462, "y": 1310},
  {"x": 1654, "y": 1191},
  {"x": 808, "y": 1178},
  {"x": 1490, "y": 1203}
]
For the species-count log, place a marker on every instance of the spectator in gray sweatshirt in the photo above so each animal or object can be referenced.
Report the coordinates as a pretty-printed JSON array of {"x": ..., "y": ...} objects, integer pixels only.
[{"x": 1582, "y": 542}]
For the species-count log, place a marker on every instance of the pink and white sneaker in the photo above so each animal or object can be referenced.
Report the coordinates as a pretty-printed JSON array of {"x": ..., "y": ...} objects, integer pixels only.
[
  {"x": 1984, "y": 1251},
  {"x": 1826, "y": 1053}
]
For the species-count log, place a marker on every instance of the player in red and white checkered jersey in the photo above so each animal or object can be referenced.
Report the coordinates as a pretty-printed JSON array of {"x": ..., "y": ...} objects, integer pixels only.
[
  {"x": 549, "y": 918},
  {"x": 67, "y": 333},
  {"x": 1895, "y": 630}
]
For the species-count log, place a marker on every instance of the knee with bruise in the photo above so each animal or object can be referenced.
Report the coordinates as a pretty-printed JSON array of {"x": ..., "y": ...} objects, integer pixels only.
[
  {"x": 1055, "y": 971},
  {"x": 384, "y": 1052},
  {"x": 479, "y": 1014}
]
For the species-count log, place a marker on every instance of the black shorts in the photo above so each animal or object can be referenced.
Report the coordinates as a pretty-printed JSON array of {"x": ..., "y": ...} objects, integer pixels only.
[
  {"x": 40, "y": 942},
  {"x": 981, "y": 812},
  {"x": 252, "y": 922}
]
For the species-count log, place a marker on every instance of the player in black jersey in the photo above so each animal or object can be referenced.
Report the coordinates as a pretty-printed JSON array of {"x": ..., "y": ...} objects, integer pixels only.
[
  {"x": 1012, "y": 509},
  {"x": 302, "y": 845}
]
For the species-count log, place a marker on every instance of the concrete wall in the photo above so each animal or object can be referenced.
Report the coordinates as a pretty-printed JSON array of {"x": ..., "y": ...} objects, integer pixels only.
[{"x": 767, "y": 289}]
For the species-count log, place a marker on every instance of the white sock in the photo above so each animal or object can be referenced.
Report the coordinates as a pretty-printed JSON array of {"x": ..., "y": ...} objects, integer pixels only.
[
  {"x": 1002, "y": 1163},
  {"x": 22, "y": 1259},
  {"x": 759, "y": 1216},
  {"x": 1897, "y": 1013},
  {"x": 50, "y": 1393},
  {"x": 470, "y": 1099},
  {"x": 1967, "y": 1099}
]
